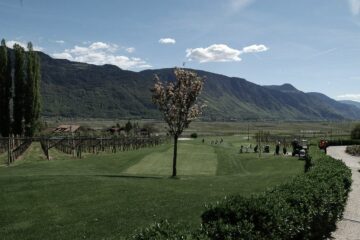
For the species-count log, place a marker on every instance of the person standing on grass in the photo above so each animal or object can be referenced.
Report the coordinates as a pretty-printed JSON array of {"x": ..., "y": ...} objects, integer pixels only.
[{"x": 277, "y": 149}]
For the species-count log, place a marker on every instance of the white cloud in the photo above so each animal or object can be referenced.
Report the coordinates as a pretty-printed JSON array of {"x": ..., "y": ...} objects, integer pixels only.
[
  {"x": 167, "y": 41},
  {"x": 214, "y": 53},
  {"x": 221, "y": 53},
  {"x": 240, "y": 4},
  {"x": 255, "y": 48},
  {"x": 60, "y": 41},
  {"x": 130, "y": 49},
  {"x": 100, "y": 53},
  {"x": 354, "y": 6},
  {"x": 11, "y": 44},
  {"x": 104, "y": 46},
  {"x": 63, "y": 55},
  {"x": 349, "y": 96}
]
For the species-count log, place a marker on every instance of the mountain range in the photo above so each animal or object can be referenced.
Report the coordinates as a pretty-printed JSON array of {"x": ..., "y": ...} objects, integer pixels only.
[
  {"x": 80, "y": 90},
  {"x": 350, "y": 102}
]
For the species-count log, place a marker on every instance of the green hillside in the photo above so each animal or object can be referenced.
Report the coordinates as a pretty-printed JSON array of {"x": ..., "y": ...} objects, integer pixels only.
[
  {"x": 353, "y": 103},
  {"x": 80, "y": 90}
]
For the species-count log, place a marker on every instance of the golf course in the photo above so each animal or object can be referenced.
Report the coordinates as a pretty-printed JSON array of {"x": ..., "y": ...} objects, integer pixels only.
[{"x": 111, "y": 195}]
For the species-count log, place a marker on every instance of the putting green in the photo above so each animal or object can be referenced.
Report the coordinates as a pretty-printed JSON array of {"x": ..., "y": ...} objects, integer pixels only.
[{"x": 193, "y": 159}]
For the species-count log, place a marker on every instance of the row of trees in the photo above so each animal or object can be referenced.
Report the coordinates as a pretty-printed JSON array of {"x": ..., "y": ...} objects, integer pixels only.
[{"x": 19, "y": 90}]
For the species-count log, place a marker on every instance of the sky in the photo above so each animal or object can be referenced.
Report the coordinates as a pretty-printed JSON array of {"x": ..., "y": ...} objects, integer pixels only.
[{"x": 313, "y": 45}]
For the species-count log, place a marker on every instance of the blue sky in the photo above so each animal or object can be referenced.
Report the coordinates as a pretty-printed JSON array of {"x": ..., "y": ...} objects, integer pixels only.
[{"x": 314, "y": 45}]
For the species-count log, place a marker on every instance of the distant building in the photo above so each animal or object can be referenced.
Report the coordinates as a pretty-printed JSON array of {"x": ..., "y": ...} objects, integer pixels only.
[{"x": 67, "y": 129}]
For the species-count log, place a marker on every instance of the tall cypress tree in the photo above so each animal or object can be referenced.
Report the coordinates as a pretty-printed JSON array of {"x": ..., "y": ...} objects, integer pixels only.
[
  {"x": 20, "y": 86},
  {"x": 37, "y": 96},
  {"x": 5, "y": 90},
  {"x": 3, "y": 63},
  {"x": 32, "y": 92}
]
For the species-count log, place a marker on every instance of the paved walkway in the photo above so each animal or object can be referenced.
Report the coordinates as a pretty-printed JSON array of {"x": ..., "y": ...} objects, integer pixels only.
[{"x": 349, "y": 227}]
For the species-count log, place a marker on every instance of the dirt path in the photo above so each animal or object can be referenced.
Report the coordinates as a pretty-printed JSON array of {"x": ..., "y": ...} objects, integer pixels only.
[{"x": 349, "y": 227}]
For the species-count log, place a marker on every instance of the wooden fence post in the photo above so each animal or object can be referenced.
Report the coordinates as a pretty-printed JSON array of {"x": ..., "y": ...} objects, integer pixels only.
[{"x": 9, "y": 151}]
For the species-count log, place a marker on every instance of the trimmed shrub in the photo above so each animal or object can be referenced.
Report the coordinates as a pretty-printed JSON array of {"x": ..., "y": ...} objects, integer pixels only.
[
  {"x": 355, "y": 133},
  {"x": 305, "y": 208},
  {"x": 163, "y": 230},
  {"x": 344, "y": 142},
  {"x": 353, "y": 150},
  {"x": 194, "y": 135}
]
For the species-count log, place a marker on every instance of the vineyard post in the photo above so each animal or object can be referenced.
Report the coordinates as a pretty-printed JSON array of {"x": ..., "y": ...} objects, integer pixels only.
[
  {"x": 12, "y": 146},
  {"x": 47, "y": 149},
  {"x": 73, "y": 143},
  {"x": 248, "y": 132},
  {"x": 9, "y": 151},
  {"x": 260, "y": 135}
]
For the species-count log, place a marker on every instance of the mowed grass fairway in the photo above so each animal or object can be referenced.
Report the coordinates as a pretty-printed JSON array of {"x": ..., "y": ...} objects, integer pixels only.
[
  {"x": 108, "y": 196},
  {"x": 196, "y": 159}
]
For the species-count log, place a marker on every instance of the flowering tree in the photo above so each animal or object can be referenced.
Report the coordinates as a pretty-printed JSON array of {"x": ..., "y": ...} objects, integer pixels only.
[{"x": 177, "y": 101}]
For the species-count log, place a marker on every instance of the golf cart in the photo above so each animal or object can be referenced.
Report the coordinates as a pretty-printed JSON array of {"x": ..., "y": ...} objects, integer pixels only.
[{"x": 300, "y": 148}]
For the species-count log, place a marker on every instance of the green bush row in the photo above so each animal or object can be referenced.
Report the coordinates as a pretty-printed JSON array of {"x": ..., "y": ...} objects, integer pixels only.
[
  {"x": 353, "y": 150},
  {"x": 344, "y": 142},
  {"x": 307, "y": 207},
  {"x": 355, "y": 133}
]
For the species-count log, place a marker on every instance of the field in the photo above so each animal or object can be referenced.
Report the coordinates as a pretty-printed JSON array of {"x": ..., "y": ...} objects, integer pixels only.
[
  {"x": 300, "y": 129},
  {"x": 108, "y": 196}
]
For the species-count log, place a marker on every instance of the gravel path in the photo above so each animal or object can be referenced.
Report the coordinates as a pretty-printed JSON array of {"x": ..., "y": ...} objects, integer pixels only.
[{"x": 349, "y": 227}]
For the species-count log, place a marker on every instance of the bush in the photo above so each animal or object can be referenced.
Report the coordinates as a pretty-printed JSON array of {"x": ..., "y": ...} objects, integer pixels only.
[
  {"x": 163, "y": 230},
  {"x": 343, "y": 142},
  {"x": 306, "y": 207},
  {"x": 353, "y": 150},
  {"x": 355, "y": 133},
  {"x": 308, "y": 163},
  {"x": 194, "y": 135}
]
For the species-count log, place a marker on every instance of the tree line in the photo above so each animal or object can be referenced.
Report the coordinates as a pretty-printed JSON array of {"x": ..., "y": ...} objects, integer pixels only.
[{"x": 20, "y": 100}]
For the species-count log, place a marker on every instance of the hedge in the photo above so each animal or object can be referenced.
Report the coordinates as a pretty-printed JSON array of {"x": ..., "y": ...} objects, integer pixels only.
[
  {"x": 355, "y": 133},
  {"x": 353, "y": 150},
  {"x": 306, "y": 207},
  {"x": 343, "y": 142}
]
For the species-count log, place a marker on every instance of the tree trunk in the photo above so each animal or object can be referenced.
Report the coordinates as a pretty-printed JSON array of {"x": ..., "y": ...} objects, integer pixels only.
[{"x": 175, "y": 155}]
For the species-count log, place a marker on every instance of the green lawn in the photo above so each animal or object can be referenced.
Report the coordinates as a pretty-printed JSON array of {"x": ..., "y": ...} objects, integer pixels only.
[
  {"x": 203, "y": 161},
  {"x": 108, "y": 196}
]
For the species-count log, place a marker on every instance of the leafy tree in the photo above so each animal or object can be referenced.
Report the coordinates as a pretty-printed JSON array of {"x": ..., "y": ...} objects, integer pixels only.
[
  {"x": 32, "y": 92},
  {"x": 177, "y": 102},
  {"x": 20, "y": 86},
  {"x": 355, "y": 133},
  {"x": 5, "y": 90}
]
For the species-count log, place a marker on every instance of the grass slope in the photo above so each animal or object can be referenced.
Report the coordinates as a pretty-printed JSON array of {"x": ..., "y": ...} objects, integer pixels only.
[
  {"x": 93, "y": 198},
  {"x": 194, "y": 159}
]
